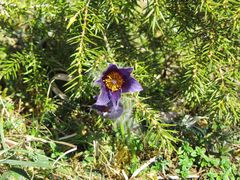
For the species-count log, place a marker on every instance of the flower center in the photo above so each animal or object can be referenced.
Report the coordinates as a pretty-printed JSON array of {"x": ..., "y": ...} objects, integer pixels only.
[{"x": 113, "y": 81}]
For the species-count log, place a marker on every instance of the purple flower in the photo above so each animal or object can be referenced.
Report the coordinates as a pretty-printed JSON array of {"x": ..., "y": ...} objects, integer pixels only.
[
  {"x": 115, "y": 81},
  {"x": 109, "y": 111}
]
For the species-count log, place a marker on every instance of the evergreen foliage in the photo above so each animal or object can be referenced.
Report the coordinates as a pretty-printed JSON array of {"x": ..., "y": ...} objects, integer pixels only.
[{"x": 184, "y": 53}]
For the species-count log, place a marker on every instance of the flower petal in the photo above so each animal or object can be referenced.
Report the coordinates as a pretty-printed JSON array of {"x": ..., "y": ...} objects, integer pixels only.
[
  {"x": 99, "y": 81},
  {"x": 108, "y": 110},
  {"x": 115, "y": 97},
  {"x": 131, "y": 85},
  {"x": 100, "y": 108},
  {"x": 103, "y": 97},
  {"x": 125, "y": 72},
  {"x": 115, "y": 113},
  {"x": 111, "y": 67}
]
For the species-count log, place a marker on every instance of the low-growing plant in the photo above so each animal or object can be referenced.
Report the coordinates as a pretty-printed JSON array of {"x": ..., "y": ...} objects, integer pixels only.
[{"x": 185, "y": 55}]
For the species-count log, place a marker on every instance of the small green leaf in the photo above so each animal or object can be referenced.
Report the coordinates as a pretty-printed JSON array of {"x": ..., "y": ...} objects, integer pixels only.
[
  {"x": 72, "y": 20},
  {"x": 38, "y": 164},
  {"x": 15, "y": 174}
]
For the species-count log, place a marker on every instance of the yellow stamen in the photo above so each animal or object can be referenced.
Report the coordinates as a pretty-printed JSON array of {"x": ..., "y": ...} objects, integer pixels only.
[{"x": 113, "y": 81}]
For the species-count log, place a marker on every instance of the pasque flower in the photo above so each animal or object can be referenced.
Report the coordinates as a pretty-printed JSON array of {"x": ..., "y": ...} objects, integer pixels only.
[
  {"x": 108, "y": 110},
  {"x": 115, "y": 81}
]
